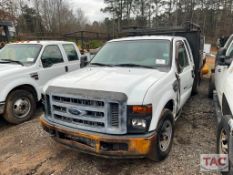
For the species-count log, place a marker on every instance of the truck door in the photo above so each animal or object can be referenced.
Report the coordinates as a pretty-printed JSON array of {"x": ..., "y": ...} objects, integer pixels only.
[
  {"x": 221, "y": 71},
  {"x": 52, "y": 64},
  {"x": 185, "y": 71},
  {"x": 73, "y": 56}
]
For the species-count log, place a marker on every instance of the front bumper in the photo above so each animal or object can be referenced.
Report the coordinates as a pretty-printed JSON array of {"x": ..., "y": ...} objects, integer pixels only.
[
  {"x": 103, "y": 145},
  {"x": 2, "y": 107}
]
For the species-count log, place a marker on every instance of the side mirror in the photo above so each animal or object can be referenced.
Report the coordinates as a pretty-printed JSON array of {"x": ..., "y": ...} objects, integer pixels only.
[
  {"x": 221, "y": 59},
  {"x": 83, "y": 61},
  {"x": 225, "y": 60},
  {"x": 221, "y": 53},
  {"x": 228, "y": 61}
]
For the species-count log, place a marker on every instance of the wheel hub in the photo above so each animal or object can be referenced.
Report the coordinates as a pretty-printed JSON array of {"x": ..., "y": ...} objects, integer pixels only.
[
  {"x": 223, "y": 149},
  {"x": 21, "y": 107},
  {"x": 165, "y": 135}
]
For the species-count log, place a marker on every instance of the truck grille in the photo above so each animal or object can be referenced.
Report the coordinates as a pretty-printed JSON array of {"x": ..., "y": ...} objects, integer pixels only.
[
  {"x": 114, "y": 112},
  {"x": 80, "y": 112}
]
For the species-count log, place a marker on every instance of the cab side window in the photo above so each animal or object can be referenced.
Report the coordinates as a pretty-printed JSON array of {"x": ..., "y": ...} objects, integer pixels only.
[
  {"x": 189, "y": 51},
  {"x": 70, "y": 52},
  {"x": 51, "y": 55},
  {"x": 230, "y": 51},
  {"x": 182, "y": 56}
]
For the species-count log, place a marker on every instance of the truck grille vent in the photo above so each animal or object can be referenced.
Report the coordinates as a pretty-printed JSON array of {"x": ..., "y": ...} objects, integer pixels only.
[
  {"x": 48, "y": 106},
  {"x": 79, "y": 121},
  {"x": 59, "y": 108},
  {"x": 78, "y": 101},
  {"x": 114, "y": 112},
  {"x": 93, "y": 114}
]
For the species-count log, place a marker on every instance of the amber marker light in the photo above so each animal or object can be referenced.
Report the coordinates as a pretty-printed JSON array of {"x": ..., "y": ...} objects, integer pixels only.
[{"x": 142, "y": 109}]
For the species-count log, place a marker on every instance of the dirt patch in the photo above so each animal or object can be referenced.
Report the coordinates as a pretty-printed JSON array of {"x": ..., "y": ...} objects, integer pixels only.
[{"x": 26, "y": 149}]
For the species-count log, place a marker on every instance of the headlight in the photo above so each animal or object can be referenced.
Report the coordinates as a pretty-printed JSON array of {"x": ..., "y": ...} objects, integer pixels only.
[
  {"x": 139, "y": 118},
  {"x": 139, "y": 123}
]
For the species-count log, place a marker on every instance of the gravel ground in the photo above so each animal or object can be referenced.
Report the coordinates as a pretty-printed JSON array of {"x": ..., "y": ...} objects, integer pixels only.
[{"x": 27, "y": 149}]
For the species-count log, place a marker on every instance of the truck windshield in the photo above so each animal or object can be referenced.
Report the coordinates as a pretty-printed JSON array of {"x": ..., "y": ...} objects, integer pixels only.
[
  {"x": 20, "y": 53},
  {"x": 135, "y": 53}
]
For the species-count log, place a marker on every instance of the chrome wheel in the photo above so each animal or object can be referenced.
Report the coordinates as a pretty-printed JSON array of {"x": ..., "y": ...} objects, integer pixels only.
[
  {"x": 165, "y": 136},
  {"x": 21, "y": 107},
  {"x": 223, "y": 142}
]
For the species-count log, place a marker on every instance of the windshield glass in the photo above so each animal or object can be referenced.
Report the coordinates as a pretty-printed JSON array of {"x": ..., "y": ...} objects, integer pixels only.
[
  {"x": 144, "y": 53},
  {"x": 23, "y": 53}
]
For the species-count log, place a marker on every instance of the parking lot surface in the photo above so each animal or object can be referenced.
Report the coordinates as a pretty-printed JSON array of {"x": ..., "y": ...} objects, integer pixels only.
[{"x": 27, "y": 149}]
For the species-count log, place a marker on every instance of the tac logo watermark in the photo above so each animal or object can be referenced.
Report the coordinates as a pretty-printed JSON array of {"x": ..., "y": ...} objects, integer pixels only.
[{"x": 214, "y": 163}]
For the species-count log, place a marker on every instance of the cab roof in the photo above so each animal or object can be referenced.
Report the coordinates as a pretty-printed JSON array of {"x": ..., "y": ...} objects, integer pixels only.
[
  {"x": 153, "y": 37},
  {"x": 42, "y": 42}
]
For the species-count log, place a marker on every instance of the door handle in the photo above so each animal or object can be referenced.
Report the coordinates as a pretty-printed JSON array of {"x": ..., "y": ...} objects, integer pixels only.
[
  {"x": 66, "y": 69},
  {"x": 219, "y": 70},
  {"x": 193, "y": 74},
  {"x": 175, "y": 86}
]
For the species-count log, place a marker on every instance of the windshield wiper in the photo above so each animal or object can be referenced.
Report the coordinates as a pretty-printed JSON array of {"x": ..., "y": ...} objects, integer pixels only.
[
  {"x": 133, "y": 65},
  {"x": 11, "y": 61},
  {"x": 101, "y": 64}
]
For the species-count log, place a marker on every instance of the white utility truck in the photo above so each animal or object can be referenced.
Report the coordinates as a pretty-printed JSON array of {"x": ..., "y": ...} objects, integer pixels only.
[
  {"x": 126, "y": 101},
  {"x": 25, "y": 67},
  {"x": 221, "y": 88}
]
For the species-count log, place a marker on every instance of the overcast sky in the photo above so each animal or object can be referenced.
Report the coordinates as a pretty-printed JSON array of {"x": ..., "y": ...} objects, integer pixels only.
[{"x": 91, "y": 8}]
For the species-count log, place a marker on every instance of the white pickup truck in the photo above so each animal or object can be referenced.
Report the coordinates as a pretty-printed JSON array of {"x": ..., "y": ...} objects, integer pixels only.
[
  {"x": 221, "y": 88},
  {"x": 126, "y": 101},
  {"x": 25, "y": 67}
]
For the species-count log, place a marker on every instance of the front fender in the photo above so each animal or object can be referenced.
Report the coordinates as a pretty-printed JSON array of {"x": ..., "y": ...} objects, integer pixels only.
[
  {"x": 158, "y": 106},
  {"x": 5, "y": 90}
]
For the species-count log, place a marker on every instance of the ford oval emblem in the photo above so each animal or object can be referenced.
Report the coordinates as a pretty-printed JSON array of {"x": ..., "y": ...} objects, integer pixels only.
[{"x": 76, "y": 112}]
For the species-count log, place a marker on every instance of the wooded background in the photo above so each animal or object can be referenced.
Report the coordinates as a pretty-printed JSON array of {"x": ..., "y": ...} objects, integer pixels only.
[{"x": 58, "y": 17}]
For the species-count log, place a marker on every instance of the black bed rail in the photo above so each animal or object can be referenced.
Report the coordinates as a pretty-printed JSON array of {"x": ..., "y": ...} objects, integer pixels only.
[{"x": 169, "y": 30}]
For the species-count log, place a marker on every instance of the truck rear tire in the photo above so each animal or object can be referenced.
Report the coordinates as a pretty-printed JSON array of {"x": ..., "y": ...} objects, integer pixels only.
[
  {"x": 165, "y": 134},
  {"x": 211, "y": 87},
  {"x": 20, "y": 106},
  {"x": 223, "y": 135}
]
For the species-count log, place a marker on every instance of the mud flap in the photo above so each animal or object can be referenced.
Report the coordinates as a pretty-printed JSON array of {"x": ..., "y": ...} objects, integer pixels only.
[{"x": 153, "y": 154}]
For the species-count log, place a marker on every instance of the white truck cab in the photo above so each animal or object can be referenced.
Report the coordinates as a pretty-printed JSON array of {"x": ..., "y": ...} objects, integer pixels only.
[
  {"x": 221, "y": 89},
  {"x": 126, "y": 101},
  {"x": 25, "y": 67}
]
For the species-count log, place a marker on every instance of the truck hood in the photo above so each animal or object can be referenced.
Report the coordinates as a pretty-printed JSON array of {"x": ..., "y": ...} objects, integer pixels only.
[
  {"x": 132, "y": 82},
  {"x": 6, "y": 69}
]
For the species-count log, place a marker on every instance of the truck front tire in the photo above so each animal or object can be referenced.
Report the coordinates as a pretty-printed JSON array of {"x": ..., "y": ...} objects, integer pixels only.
[
  {"x": 20, "y": 106},
  {"x": 223, "y": 135},
  {"x": 165, "y": 134}
]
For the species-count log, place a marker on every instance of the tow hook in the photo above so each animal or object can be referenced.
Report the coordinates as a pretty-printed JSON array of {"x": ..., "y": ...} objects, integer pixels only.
[{"x": 230, "y": 123}]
